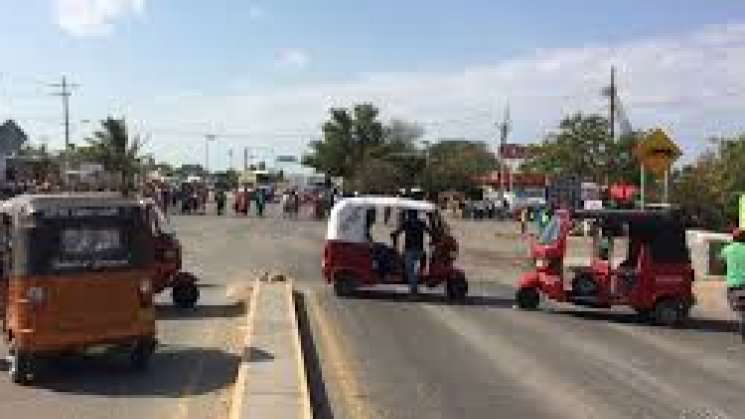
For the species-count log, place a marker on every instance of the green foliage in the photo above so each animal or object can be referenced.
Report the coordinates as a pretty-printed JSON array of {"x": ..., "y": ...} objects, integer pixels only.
[
  {"x": 709, "y": 188},
  {"x": 112, "y": 147},
  {"x": 377, "y": 158},
  {"x": 457, "y": 165},
  {"x": 583, "y": 146}
]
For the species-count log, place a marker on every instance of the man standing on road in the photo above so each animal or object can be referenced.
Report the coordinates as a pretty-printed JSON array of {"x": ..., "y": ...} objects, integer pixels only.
[
  {"x": 734, "y": 256},
  {"x": 523, "y": 220},
  {"x": 414, "y": 230}
]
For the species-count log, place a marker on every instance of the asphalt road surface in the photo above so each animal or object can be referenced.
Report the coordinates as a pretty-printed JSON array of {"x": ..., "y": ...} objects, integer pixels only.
[{"x": 385, "y": 356}]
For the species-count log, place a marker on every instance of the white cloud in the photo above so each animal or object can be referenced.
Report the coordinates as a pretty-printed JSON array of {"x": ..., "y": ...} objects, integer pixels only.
[
  {"x": 292, "y": 58},
  {"x": 691, "y": 84},
  {"x": 93, "y": 17}
]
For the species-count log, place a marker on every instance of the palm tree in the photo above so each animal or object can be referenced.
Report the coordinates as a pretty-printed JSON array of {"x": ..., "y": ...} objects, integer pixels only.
[{"x": 116, "y": 151}]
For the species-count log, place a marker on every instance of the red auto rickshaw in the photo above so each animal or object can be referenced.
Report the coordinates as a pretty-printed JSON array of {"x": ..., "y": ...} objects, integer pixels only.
[
  {"x": 351, "y": 259},
  {"x": 168, "y": 262},
  {"x": 654, "y": 278}
]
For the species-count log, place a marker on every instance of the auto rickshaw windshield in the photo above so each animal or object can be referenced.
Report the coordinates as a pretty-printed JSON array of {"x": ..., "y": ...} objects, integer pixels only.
[{"x": 551, "y": 232}]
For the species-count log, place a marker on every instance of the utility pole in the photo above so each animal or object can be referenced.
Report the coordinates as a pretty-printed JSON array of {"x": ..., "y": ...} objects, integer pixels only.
[
  {"x": 230, "y": 159},
  {"x": 65, "y": 92},
  {"x": 207, "y": 140},
  {"x": 612, "y": 96},
  {"x": 245, "y": 158},
  {"x": 504, "y": 131}
]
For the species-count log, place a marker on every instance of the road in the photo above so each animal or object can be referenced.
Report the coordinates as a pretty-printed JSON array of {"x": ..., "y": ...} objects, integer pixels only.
[{"x": 384, "y": 356}]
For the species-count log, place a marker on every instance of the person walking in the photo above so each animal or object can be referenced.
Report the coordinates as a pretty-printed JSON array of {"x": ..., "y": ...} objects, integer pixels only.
[
  {"x": 220, "y": 199},
  {"x": 523, "y": 220},
  {"x": 733, "y": 255},
  {"x": 413, "y": 229},
  {"x": 260, "y": 202}
]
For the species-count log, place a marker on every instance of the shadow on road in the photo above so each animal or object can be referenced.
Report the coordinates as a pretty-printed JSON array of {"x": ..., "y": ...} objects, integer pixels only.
[
  {"x": 173, "y": 372},
  {"x": 704, "y": 325},
  {"x": 171, "y": 312},
  {"x": 438, "y": 298}
]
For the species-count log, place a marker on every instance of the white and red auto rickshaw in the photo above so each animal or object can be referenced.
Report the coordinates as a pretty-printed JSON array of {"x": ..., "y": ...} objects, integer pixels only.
[{"x": 352, "y": 259}]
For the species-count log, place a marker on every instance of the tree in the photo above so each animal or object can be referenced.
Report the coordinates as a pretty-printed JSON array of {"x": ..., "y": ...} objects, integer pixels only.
[
  {"x": 456, "y": 165},
  {"x": 112, "y": 147},
  {"x": 709, "y": 188},
  {"x": 582, "y": 146},
  {"x": 372, "y": 157},
  {"x": 347, "y": 138}
]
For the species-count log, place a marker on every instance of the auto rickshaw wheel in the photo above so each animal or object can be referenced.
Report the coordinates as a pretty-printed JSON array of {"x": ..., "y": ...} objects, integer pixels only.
[
  {"x": 668, "y": 312},
  {"x": 185, "y": 294},
  {"x": 643, "y": 315},
  {"x": 344, "y": 285},
  {"x": 528, "y": 298},
  {"x": 456, "y": 288},
  {"x": 141, "y": 353},
  {"x": 20, "y": 368}
]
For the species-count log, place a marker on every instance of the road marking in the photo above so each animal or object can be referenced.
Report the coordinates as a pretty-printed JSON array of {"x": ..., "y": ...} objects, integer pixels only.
[
  {"x": 301, "y": 371},
  {"x": 356, "y": 401},
  {"x": 236, "y": 404}
]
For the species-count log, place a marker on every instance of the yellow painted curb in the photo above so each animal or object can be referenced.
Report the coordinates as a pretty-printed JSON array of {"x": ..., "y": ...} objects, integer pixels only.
[
  {"x": 306, "y": 412},
  {"x": 236, "y": 404}
]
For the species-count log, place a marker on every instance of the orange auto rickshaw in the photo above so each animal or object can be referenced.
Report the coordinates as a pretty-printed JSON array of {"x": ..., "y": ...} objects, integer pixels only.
[{"x": 76, "y": 273}]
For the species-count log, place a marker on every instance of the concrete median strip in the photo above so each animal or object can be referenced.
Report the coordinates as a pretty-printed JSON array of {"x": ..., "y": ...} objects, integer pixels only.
[{"x": 271, "y": 381}]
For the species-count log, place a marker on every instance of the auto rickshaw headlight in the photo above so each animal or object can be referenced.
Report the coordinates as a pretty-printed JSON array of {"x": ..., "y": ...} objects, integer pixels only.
[{"x": 541, "y": 263}]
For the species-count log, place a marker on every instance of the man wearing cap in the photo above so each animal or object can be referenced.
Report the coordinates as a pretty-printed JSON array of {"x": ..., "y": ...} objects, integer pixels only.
[{"x": 734, "y": 256}]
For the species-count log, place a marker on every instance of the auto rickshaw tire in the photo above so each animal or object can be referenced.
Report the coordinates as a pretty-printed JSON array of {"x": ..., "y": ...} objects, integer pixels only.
[
  {"x": 668, "y": 312},
  {"x": 528, "y": 298},
  {"x": 343, "y": 285},
  {"x": 140, "y": 355},
  {"x": 185, "y": 294},
  {"x": 21, "y": 367},
  {"x": 456, "y": 289},
  {"x": 643, "y": 315}
]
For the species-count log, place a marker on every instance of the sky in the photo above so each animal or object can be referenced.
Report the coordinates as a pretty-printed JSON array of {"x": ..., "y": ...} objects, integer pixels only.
[{"x": 262, "y": 74}]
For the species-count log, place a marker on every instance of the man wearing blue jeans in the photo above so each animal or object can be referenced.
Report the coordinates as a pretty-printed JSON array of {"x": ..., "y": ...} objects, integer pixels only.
[{"x": 414, "y": 230}]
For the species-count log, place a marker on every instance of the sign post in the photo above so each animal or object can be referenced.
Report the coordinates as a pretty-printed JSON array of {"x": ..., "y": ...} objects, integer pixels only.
[{"x": 656, "y": 153}]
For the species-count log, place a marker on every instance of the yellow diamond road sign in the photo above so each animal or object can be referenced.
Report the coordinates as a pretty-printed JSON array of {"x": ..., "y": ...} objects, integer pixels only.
[{"x": 657, "y": 152}]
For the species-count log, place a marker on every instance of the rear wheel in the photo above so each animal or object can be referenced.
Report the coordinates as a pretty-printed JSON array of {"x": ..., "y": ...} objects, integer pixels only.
[
  {"x": 184, "y": 293},
  {"x": 21, "y": 367},
  {"x": 668, "y": 312},
  {"x": 528, "y": 298},
  {"x": 344, "y": 285},
  {"x": 141, "y": 353},
  {"x": 643, "y": 315},
  {"x": 456, "y": 288}
]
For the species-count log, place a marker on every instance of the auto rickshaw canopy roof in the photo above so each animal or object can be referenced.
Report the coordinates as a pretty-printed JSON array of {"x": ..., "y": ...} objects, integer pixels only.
[
  {"x": 663, "y": 229},
  {"x": 348, "y": 217},
  {"x": 34, "y": 203}
]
